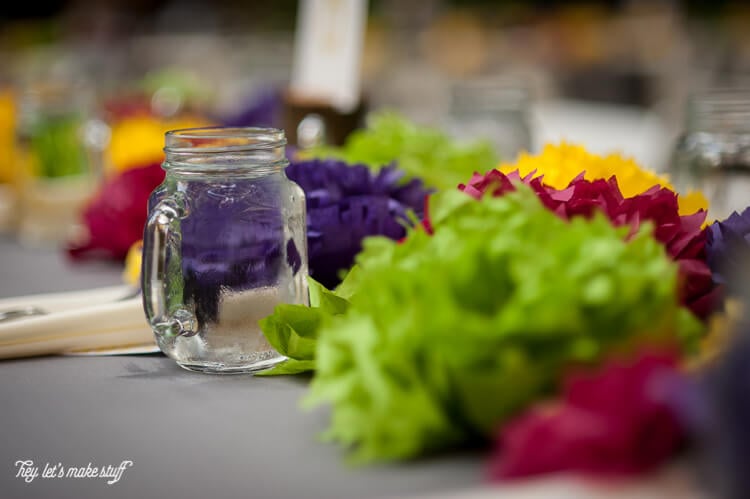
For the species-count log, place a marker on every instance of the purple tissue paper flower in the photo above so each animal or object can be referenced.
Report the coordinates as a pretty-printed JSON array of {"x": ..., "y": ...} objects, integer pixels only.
[
  {"x": 728, "y": 245},
  {"x": 346, "y": 203},
  {"x": 727, "y": 434},
  {"x": 263, "y": 110}
]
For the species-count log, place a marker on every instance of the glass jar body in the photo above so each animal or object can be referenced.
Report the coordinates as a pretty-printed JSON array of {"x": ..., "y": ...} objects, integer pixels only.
[{"x": 234, "y": 247}]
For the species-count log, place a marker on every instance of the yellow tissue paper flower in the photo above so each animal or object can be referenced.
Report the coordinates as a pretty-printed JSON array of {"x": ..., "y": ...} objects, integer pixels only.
[
  {"x": 132, "y": 273},
  {"x": 8, "y": 170},
  {"x": 139, "y": 140},
  {"x": 560, "y": 164}
]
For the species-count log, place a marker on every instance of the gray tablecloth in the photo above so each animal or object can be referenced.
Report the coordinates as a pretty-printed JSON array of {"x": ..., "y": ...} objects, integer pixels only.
[{"x": 187, "y": 435}]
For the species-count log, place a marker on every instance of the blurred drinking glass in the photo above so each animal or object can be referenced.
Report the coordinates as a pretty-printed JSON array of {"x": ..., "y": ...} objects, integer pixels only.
[
  {"x": 496, "y": 110},
  {"x": 57, "y": 159},
  {"x": 713, "y": 153}
]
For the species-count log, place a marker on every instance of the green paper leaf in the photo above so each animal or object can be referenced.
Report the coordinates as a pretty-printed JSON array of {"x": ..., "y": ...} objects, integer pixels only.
[
  {"x": 325, "y": 299},
  {"x": 288, "y": 367},
  {"x": 349, "y": 284},
  {"x": 293, "y": 329}
]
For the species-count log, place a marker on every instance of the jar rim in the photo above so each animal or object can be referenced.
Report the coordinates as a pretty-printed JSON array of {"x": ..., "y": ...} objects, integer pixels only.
[{"x": 213, "y": 139}]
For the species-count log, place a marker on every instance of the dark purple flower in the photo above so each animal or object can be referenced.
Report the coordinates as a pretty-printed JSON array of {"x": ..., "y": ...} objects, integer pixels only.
[
  {"x": 726, "y": 435},
  {"x": 346, "y": 203},
  {"x": 263, "y": 109},
  {"x": 728, "y": 245}
]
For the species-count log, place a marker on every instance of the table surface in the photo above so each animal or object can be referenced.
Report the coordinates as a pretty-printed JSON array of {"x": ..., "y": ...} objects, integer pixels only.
[
  {"x": 197, "y": 435},
  {"x": 187, "y": 434}
]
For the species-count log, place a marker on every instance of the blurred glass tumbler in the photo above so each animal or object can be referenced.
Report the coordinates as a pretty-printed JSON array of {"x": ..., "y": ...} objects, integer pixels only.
[
  {"x": 225, "y": 242},
  {"x": 713, "y": 153},
  {"x": 497, "y": 110},
  {"x": 59, "y": 165}
]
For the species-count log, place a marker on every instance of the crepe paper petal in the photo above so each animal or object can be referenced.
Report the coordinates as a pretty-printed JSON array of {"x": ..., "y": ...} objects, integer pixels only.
[
  {"x": 420, "y": 151},
  {"x": 449, "y": 335},
  {"x": 682, "y": 236},
  {"x": 560, "y": 165},
  {"x": 115, "y": 217},
  {"x": 345, "y": 204},
  {"x": 619, "y": 420}
]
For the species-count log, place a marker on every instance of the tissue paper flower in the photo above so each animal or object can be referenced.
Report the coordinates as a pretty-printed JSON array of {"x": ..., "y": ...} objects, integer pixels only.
[
  {"x": 682, "y": 236},
  {"x": 616, "y": 421},
  {"x": 560, "y": 164},
  {"x": 138, "y": 139},
  {"x": 346, "y": 203},
  {"x": 448, "y": 335},
  {"x": 262, "y": 110},
  {"x": 9, "y": 169},
  {"x": 728, "y": 242},
  {"x": 726, "y": 436},
  {"x": 421, "y": 152},
  {"x": 131, "y": 274},
  {"x": 115, "y": 217}
]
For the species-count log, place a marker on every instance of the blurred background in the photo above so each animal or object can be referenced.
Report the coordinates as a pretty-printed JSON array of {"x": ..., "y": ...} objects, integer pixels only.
[{"x": 92, "y": 85}]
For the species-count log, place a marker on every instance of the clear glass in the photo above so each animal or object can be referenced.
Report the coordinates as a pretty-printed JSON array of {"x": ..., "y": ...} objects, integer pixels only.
[
  {"x": 713, "y": 153},
  {"x": 57, "y": 167},
  {"x": 224, "y": 244},
  {"x": 496, "y": 110}
]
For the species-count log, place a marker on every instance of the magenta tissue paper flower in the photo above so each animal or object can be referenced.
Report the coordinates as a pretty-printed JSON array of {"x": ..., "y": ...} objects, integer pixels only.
[
  {"x": 618, "y": 421},
  {"x": 115, "y": 217}
]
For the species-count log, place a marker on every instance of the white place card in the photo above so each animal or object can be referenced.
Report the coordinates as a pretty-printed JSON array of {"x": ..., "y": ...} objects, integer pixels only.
[{"x": 328, "y": 52}]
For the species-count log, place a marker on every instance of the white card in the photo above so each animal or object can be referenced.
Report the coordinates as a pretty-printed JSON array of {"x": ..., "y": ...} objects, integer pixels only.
[{"x": 328, "y": 51}]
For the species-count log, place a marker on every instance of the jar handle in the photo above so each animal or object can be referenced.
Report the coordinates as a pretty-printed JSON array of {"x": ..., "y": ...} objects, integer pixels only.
[{"x": 163, "y": 233}]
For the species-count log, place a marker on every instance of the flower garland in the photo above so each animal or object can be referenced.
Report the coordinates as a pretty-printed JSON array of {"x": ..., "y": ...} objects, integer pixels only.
[
  {"x": 561, "y": 164},
  {"x": 682, "y": 236},
  {"x": 447, "y": 336}
]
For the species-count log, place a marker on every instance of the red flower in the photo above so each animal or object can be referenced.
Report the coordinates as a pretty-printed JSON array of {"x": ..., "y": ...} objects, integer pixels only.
[
  {"x": 682, "y": 236},
  {"x": 116, "y": 215},
  {"x": 616, "y": 421}
]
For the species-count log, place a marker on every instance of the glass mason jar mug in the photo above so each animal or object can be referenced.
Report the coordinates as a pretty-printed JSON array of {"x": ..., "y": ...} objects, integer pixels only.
[{"x": 225, "y": 242}]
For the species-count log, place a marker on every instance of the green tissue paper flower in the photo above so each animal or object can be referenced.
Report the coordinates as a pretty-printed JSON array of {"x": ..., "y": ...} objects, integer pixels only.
[
  {"x": 420, "y": 151},
  {"x": 446, "y": 336}
]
